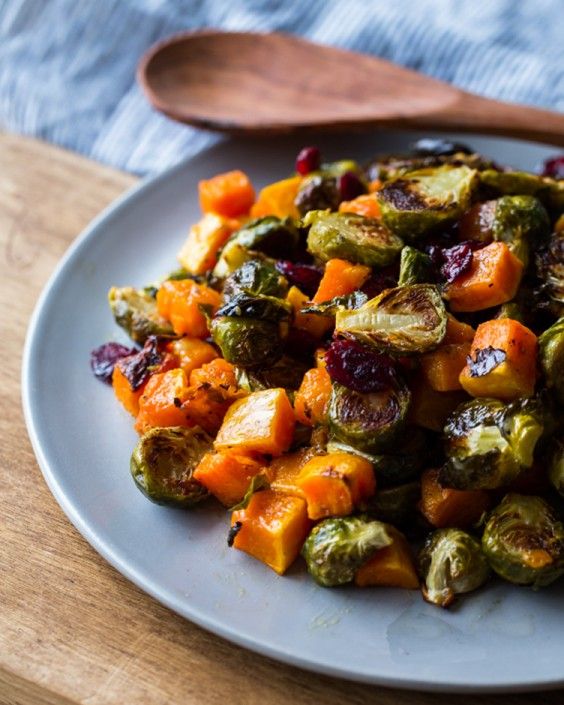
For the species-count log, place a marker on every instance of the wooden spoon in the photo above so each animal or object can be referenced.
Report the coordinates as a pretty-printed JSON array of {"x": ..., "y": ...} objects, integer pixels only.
[{"x": 246, "y": 83}]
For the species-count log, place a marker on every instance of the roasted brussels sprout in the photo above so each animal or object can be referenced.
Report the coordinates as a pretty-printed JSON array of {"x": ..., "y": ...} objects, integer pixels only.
[
  {"x": 255, "y": 277},
  {"x": 551, "y": 355},
  {"x": 519, "y": 221},
  {"x": 136, "y": 312},
  {"x": 369, "y": 422},
  {"x": 352, "y": 237},
  {"x": 451, "y": 563},
  {"x": 337, "y": 547},
  {"x": 406, "y": 319},
  {"x": 520, "y": 183},
  {"x": 386, "y": 168},
  {"x": 163, "y": 462},
  {"x": 330, "y": 308},
  {"x": 556, "y": 467},
  {"x": 287, "y": 373},
  {"x": 550, "y": 271},
  {"x": 420, "y": 201},
  {"x": 395, "y": 505},
  {"x": 524, "y": 541},
  {"x": 269, "y": 236},
  {"x": 415, "y": 267},
  {"x": 488, "y": 443},
  {"x": 317, "y": 192}
]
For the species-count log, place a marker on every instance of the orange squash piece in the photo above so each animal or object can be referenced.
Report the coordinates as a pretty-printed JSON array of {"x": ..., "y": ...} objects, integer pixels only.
[
  {"x": 161, "y": 402},
  {"x": 457, "y": 332},
  {"x": 391, "y": 566},
  {"x": 261, "y": 422},
  {"x": 514, "y": 377},
  {"x": 442, "y": 367},
  {"x": 365, "y": 205},
  {"x": 339, "y": 279},
  {"x": 284, "y": 471},
  {"x": 312, "y": 398},
  {"x": 493, "y": 279},
  {"x": 128, "y": 397},
  {"x": 278, "y": 199},
  {"x": 191, "y": 353},
  {"x": 272, "y": 528},
  {"x": 205, "y": 239},
  {"x": 227, "y": 476},
  {"x": 335, "y": 484},
  {"x": 317, "y": 326},
  {"x": 429, "y": 408},
  {"x": 444, "y": 507},
  {"x": 179, "y": 302},
  {"x": 230, "y": 194}
]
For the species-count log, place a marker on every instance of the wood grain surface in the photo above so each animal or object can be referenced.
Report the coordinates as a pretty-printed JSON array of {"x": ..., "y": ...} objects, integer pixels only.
[{"x": 72, "y": 629}]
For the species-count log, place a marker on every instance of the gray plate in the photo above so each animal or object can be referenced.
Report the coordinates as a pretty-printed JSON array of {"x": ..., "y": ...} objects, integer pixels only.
[{"x": 503, "y": 638}]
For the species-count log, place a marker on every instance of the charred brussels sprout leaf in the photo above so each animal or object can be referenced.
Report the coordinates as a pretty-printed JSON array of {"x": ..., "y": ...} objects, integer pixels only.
[
  {"x": 352, "y": 237},
  {"x": 396, "y": 505},
  {"x": 369, "y": 422},
  {"x": 136, "y": 312},
  {"x": 415, "y": 267},
  {"x": 551, "y": 354},
  {"x": 420, "y": 201},
  {"x": 339, "y": 303},
  {"x": 403, "y": 320},
  {"x": 488, "y": 443},
  {"x": 255, "y": 277},
  {"x": 451, "y": 563},
  {"x": 336, "y": 548},
  {"x": 524, "y": 541},
  {"x": 287, "y": 373},
  {"x": 163, "y": 463},
  {"x": 268, "y": 236}
]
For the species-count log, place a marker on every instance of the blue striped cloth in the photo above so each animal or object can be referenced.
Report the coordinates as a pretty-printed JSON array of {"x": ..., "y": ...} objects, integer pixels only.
[{"x": 67, "y": 67}]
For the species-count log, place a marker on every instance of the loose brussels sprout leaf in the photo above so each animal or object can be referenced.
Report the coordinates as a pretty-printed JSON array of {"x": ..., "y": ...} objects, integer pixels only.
[
  {"x": 287, "y": 373},
  {"x": 550, "y": 270},
  {"x": 163, "y": 463},
  {"x": 136, "y": 312},
  {"x": 451, "y": 563},
  {"x": 368, "y": 422},
  {"x": 415, "y": 267},
  {"x": 248, "y": 342},
  {"x": 420, "y": 201},
  {"x": 258, "y": 483},
  {"x": 352, "y": 237},
  {"x": 524, "y": 541},
  {"x": 403, "y": 320},
  {"x": 522, "y": 183},
  {"x": 337, "y": 547},
  {"x": 396, "y": 505},
  {"x": 256, "y": 278},
  {"x": 269, "y": 236},
  {"x": 339, "y": 303},
  {"x": 556, "y": 467},
  {"x": 488, "y": 443},
  {"x": 551, "y": 355}
]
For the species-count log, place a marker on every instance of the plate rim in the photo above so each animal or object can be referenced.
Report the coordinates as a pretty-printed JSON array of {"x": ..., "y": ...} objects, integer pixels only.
[{"x": 147, "y": 585}]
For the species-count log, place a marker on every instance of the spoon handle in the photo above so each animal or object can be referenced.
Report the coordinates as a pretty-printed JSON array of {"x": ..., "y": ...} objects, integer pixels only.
[{"x": 472, "y": 113}]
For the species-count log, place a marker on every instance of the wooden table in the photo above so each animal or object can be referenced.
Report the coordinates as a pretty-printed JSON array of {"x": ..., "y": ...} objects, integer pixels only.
[{"x": 72, "y": 629}]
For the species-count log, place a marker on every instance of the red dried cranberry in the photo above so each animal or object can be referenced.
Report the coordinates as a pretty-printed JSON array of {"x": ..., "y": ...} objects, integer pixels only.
[
  {"x": 103, "y": 359},
  {"x": 363, "y": 370},
  {"x": 301, "y": 344},
  {"x": 377, "y": 282},
  {"x": 309, "y": 159},
  {"x": 456, "y": 261},
  {"x": 350, "y": 186},
  {"x": 305, "y": 276},
  {"x": 554, "y": 167},
  {"x": 137, "y": 368}
]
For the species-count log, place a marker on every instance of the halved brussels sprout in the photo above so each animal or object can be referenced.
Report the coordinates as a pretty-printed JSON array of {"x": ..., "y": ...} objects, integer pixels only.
[
  {"x": 556, "y": 467},
  {"x": 396, "y": 505},
  {"x": 488, "y": 443},
  {"x": 420, "y": 201},
  {"x": 403, "y": 320},
  {"x": 337, "y": 547},
  {"x": 451, "y": 563},
  {"x": 163, "y": 462},
  {"x": 287, "y": 373},
  {"x": 520, "y": 183},
  {"x": 136, "y": 312},
  {"x": 368, "y": 422},
  {"x": 524, "y": 541},
  {"x": 330, "y": 308},
  {"x": 271, "y": 236},
  {"x": 415, "y": 267},
  {"x": 317, "y": 192},
  {"x": 551, "y": 356},
  {"x": 385, "y": 168},
  {"x": 352, "y": 237},
  {"x": 255, "y": 277},
  {"x": 550, "y": 270}
]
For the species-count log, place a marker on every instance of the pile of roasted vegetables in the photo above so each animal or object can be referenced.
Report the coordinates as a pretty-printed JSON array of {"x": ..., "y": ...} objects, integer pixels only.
[{"x": 365, "y": 365}]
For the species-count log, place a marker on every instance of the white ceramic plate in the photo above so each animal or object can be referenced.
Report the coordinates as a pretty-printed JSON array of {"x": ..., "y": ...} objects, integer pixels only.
[{"x": 502, "y": 638}]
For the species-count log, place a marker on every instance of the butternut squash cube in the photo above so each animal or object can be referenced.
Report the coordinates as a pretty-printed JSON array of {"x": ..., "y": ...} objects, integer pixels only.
[
  {"x": 205, "y": 239},
  {"x": 442, "y": 367},
  {"x": 227, "y": 476},
  {"x": 313, "y": 324},
  {"x": 278, "y": 199},
  {"x": 391, "y": 566}
]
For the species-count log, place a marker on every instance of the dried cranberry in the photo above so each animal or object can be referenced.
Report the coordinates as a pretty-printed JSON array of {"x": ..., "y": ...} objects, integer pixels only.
[
  {"x": 363, "y": 370},
  {"x": 104, "y": 358},
  {"x": 485, "y": 360},
  {"x": 377, "y": 282},
  {"x": 554, "y": 167},
  {"x": 301, "y": 344},
  {"x": 456, "y": 261},
  {"x": 305, "y": 276},
  {"x": 350, "y": 186},
  {"x": 309, "y": 159},
  {"x": 137, "y": 368}
]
